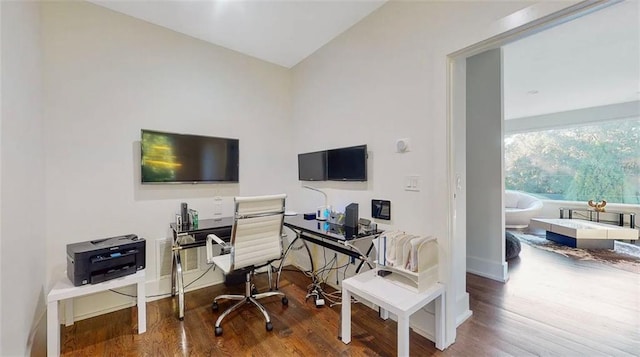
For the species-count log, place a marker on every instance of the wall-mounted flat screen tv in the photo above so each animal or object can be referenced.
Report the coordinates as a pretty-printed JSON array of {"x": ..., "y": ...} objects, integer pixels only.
[
  {"x": 184, "y": 158},
  {"x": 347, "y": 164},
  {"x": 312, "y": 166}
]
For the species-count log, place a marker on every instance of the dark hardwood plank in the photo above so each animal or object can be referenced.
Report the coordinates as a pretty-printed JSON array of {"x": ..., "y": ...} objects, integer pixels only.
[
  {"x": 551, "y": 306},
  {"x": 557, "y": 305}
]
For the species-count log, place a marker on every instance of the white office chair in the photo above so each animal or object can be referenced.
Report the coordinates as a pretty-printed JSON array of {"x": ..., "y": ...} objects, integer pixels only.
[{"x": 255, "y": 242}]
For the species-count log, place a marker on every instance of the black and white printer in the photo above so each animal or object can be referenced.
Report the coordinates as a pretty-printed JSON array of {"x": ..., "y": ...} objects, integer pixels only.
[{"x": 95, "y": 261}]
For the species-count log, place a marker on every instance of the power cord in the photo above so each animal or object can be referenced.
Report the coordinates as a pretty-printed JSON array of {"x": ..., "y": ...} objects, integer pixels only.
[
  {"x": 164, "y": 294},
  {"x": 315, "y": 288}
]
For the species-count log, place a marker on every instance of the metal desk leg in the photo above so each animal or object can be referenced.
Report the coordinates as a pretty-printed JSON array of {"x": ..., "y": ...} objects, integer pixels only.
[
  {"x": 362, "y": 261},
  {"x": 173, "y": 273},
  {"x": 313, "y": 268},
  {"x": 284, "y": 257},
  {"x": 180, "y": 283},
  {"x": 286, "y": 253},
  {"x": 173, "y": 264}
]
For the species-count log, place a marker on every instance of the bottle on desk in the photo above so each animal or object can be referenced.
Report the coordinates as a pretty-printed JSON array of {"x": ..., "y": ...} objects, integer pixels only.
[{"x": 193, "y": 217}]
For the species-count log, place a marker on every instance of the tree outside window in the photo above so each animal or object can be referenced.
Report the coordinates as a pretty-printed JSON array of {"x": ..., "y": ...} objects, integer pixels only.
[{"x": 592, "y": 162}]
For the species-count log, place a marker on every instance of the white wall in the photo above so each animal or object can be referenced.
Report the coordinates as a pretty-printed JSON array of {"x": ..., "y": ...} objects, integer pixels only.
[
  {"x": 385, "y": 79},
  {"x": 382, "y": 80},
  {"x": 107, "y": 76},
  {"x": 484, "y": 158},
  {"x": 22, "y": 234}
]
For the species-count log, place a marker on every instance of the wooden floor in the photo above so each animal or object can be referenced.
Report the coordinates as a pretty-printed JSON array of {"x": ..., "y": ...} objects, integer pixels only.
[{"x": 551, "y": 306}]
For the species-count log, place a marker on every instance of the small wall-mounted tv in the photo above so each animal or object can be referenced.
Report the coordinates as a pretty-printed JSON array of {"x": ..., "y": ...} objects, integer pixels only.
[
  {"x": 312, "y": 166},
  {"x": 184, "y": 158},
  {"x": 347, "y": 164}
]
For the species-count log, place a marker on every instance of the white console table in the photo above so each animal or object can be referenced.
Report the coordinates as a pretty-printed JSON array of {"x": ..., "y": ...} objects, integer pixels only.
[
  {"x": 65, "y": 290},
  {"x": 394, "y": 298}
]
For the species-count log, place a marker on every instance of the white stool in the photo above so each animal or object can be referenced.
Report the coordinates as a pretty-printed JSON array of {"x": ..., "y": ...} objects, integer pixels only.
[
  {"x": 65, "y": 290},
  {"x": 394, "y": 298}
]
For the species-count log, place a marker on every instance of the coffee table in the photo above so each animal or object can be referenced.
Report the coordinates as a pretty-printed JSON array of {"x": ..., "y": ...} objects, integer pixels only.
[{"x": 583, "y": 234}]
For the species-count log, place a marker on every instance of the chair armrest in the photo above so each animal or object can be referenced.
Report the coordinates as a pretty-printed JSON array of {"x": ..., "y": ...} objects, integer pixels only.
[{"x": 214, "y": 238}]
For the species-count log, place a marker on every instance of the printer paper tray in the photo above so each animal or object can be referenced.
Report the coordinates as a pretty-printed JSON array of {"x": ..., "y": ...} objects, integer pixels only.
[{"x": 99, "y": 277}]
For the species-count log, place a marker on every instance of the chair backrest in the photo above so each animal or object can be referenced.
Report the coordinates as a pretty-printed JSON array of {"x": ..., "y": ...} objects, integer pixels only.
[{"x": 256, "y": 236}]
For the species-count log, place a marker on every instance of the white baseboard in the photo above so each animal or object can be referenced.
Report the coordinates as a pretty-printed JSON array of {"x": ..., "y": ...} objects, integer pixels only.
[
  {"x": 488, "y": 269},
  {"x": 463, "y": 317},
  {"x": 462, "y": 309}
]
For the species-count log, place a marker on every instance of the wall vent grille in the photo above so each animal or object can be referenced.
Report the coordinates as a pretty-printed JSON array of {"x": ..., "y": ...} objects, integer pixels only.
[{"x": 190, "y": 258}]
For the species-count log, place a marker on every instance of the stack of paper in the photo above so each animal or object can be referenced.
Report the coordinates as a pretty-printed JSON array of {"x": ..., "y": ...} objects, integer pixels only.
[{"x": 401, "y": 250}]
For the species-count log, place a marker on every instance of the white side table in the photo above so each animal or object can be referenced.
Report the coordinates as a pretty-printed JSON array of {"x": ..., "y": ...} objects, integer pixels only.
[
  {"x": 65, "y": 290},
  {"x": 394, "y": 298}
]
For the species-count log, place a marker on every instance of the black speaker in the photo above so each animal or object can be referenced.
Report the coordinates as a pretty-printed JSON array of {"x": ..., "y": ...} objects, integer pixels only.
[
  {"x": 351, "y": 215},
  {"x": 184, "y": 213}
]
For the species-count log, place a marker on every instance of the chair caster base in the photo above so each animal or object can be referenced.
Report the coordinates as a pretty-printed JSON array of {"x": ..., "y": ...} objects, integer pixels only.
[
  {"x": 269, "y": 326},
  {"x": 218, "y": 331}
]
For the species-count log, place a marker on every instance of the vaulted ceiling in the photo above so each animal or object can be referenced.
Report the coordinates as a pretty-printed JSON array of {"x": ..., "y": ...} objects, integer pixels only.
[
  {"x": 281, "y": 32},
  {"x": 591, "y": 61}
]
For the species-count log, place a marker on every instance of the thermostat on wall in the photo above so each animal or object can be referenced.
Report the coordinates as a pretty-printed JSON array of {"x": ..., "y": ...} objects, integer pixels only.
[{"x": 381, "y": 209}]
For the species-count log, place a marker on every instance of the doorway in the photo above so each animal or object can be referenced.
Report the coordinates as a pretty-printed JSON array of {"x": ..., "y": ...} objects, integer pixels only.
[{"x": 461, "y": 207}]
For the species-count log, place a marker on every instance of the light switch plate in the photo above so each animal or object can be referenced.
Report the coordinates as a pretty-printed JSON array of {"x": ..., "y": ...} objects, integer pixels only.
[{"x": 412, "y": 183}]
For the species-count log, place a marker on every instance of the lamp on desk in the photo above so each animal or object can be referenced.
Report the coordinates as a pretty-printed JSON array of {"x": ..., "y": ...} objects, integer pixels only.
[{"x": 322, "y": 213}]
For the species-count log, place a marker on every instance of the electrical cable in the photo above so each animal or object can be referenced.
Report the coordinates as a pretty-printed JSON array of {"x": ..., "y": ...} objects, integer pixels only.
[
  {"x": 201, "y": 275},
  {"x": 164, "y": 294}
]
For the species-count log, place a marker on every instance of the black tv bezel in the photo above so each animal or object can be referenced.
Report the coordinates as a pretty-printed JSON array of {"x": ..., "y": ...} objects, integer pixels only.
[
  {"x": 362, "y": 178},
  {"x": 177, "y": 182},
  {"x": 324, "y": 169}
]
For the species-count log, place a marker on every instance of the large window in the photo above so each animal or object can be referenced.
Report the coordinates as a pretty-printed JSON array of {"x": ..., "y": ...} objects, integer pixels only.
[{"x": 594, "y": 162}]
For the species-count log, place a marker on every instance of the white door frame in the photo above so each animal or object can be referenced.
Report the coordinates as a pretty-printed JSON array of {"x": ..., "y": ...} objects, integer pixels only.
[{"x": 526, "y": 22}]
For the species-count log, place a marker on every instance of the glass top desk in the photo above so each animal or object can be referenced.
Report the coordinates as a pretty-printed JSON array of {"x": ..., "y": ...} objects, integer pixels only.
[
  {"x": 187, "y": 237},
  {"x": 335, "y": 237},
  {"x": 332, "y": 236}
]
